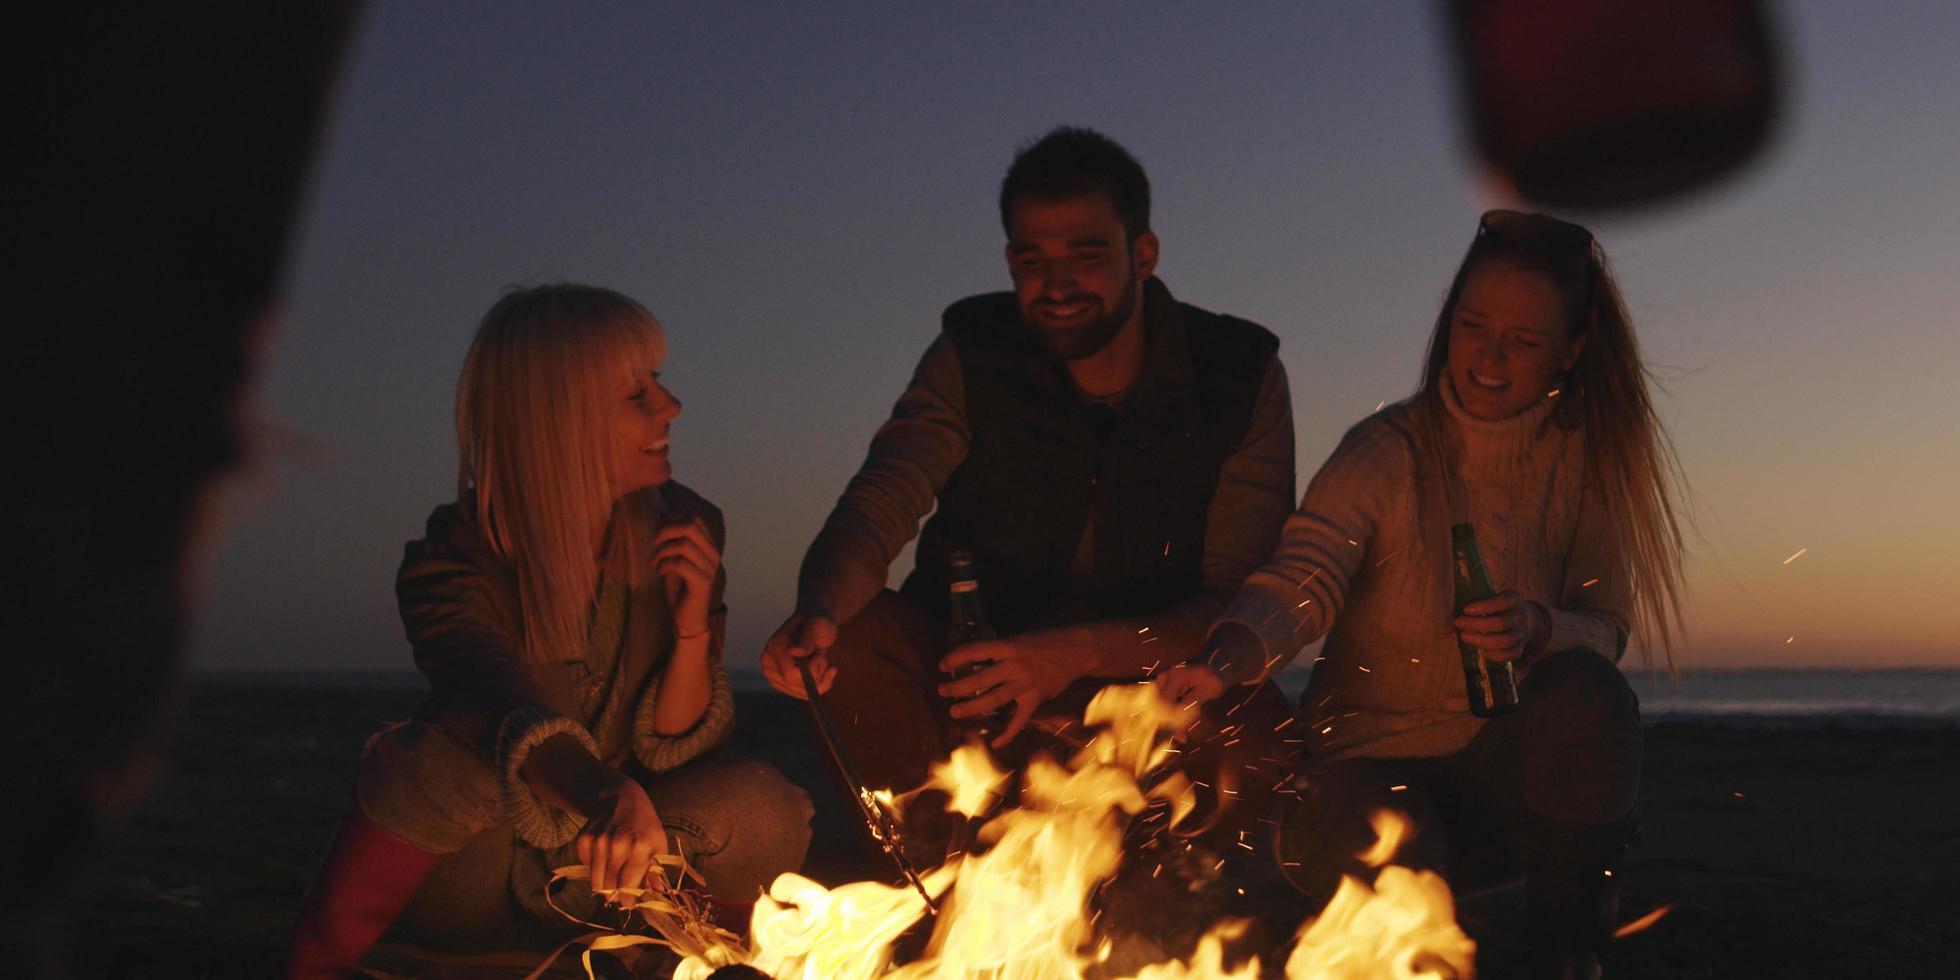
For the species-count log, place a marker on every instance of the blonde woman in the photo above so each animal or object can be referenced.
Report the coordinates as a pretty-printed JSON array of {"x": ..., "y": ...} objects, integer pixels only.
[
  {"x": 1532, "y": 423},
  {"x": 567, "y": 612}
]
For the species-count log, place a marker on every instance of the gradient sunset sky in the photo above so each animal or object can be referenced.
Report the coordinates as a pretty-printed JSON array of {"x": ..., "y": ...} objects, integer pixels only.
[{"x": 798, "y": 191}]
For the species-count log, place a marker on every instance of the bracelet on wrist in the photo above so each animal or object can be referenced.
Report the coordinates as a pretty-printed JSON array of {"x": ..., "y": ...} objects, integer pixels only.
[{"x": 680, "y": 634}]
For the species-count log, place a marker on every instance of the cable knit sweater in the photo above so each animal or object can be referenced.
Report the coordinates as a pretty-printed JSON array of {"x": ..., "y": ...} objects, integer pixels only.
[{"x": 1365, "y": 561}]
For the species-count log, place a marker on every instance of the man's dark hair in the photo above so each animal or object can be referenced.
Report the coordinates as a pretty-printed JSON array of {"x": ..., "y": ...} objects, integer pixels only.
[{"x": 1072, "y": 161}]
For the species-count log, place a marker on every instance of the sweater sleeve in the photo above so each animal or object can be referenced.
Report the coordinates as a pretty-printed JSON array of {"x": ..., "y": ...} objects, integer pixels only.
[
  {"x": 912, "y": 455},
  {"x": 1591, "y": 612},
  {"x": 531, "y": 818},
  {"x": 1295, "y": 596},
  {"x": 659, "y": 751},
  {"x": 483, "y": 692}
]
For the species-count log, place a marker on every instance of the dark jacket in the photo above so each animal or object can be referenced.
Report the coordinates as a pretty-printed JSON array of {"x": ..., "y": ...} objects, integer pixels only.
[
  {"x": 1042, "y": 462},
  {"x": 459, "y": 602}
]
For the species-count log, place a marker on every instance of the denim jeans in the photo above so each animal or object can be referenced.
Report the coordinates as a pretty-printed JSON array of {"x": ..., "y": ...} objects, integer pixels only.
[
  {"x": 1569, "y": 757},
  {"x": 739, "y": 823}
]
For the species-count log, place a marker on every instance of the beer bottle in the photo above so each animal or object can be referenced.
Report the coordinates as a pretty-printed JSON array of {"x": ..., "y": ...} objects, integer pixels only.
[
  {"x": 969, "y": 625},
  {"x": 1493, "y": 686}
]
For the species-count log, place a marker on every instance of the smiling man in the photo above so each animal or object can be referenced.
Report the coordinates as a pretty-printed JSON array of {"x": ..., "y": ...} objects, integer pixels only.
[{"x": 1116, "y": 462}]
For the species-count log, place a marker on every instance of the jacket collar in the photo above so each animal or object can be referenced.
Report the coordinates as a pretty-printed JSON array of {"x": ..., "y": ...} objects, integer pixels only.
[{"x": 1166, "y": 350}]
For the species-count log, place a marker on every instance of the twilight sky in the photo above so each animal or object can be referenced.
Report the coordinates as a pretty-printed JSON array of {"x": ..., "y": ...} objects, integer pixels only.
[{"x": 797, "y": 192}]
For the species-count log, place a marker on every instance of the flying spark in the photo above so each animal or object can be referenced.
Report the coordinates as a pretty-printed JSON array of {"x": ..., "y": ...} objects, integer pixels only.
[
  {"x": 1643, "y": 922},
  {"x": 1796, "y": 556}
]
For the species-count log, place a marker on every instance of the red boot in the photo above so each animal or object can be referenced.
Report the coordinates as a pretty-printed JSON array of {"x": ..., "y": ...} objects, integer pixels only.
[{"x": 367, "y": 879}]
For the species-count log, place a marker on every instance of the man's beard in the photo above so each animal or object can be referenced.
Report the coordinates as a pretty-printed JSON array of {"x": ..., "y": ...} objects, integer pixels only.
[{"x": 1077, "y": 342}]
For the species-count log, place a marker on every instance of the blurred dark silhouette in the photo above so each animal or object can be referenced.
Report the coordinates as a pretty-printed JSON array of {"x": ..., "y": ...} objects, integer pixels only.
[
  {"x": 1614, "y": 103},
  {"x": 166, "y": 148}
]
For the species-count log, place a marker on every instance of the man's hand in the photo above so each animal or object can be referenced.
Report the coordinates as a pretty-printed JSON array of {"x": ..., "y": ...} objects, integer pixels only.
[
  {"x": 1026, "y": 671},
  {"x": 1505, "y": 626},
  {"x": 1189, "y": 685},
  {"x": 802, "y": 635}
]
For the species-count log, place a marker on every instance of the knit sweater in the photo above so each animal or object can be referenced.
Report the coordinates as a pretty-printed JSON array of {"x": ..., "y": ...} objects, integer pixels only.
[
  {"x": 1365, "y": 561},
  {"x": 459, "y": 604}
]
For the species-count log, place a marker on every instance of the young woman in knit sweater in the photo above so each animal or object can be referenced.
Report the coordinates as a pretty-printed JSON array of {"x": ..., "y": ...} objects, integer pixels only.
[
  {"x": 567, "y": 613},
  {"x": 1532, "y": 422}
]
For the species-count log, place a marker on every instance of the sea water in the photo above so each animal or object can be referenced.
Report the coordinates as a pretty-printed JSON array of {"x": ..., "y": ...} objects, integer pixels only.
[{"x": 1905, "y": 697}]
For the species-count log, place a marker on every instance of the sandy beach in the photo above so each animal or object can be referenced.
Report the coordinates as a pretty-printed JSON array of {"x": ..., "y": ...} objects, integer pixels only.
[{"x": 1788, "y": 851}]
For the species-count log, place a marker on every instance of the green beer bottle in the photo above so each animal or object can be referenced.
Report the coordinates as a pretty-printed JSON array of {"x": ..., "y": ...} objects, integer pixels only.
[
  {"x": 1493, "y": 686},
  {"x": 969, "y": 624}
]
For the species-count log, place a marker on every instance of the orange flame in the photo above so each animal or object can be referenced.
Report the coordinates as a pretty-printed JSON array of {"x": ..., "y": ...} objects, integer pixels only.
[{"x": 1021, "y": 909}]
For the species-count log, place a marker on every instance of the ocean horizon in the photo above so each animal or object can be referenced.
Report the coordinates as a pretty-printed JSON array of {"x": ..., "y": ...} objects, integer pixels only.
[{"x": 1902, "y": 697}]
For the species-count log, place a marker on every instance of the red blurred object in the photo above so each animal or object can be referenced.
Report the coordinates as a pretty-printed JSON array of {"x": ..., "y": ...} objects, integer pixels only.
[{"x": 1609, "y": 103}]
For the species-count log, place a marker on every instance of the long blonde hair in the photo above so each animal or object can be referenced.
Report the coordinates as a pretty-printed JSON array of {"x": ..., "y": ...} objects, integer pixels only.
[
  {"x": 1630, "y": 461},
  {"x": 537, "y": 462}
]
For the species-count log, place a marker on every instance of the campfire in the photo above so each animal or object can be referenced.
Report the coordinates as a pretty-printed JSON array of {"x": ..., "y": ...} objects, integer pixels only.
[{"x": 1021, "y": 905}]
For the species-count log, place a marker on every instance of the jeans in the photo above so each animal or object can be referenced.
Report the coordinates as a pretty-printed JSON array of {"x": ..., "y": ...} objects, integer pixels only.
[
  {"x": 739, "y": 823},
  {"x": 894, "y": 724},
  {"x": 1569, "y": 757}
]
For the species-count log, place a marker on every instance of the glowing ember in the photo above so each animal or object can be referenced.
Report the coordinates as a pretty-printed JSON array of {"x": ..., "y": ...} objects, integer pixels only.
[
  {"x": 1023, "y": 908},
  {"x": 1643, "y": 923}
]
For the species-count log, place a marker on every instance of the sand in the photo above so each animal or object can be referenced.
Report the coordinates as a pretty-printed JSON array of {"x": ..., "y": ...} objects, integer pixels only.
[{"x": 1794, "y": 852}]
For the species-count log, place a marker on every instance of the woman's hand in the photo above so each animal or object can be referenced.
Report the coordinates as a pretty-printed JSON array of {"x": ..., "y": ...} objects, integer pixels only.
[
  {"x": 1229, "y": 648},
  {"x": 1505, "y": 626},
  {"x": 622, "y": 835},
  {"x": 686, "y": 560},
  {"x": 1189, "y": 685}
]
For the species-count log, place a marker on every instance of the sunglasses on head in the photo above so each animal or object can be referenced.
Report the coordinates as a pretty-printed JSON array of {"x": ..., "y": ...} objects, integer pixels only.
[{"x": 1543, "y": 229}]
